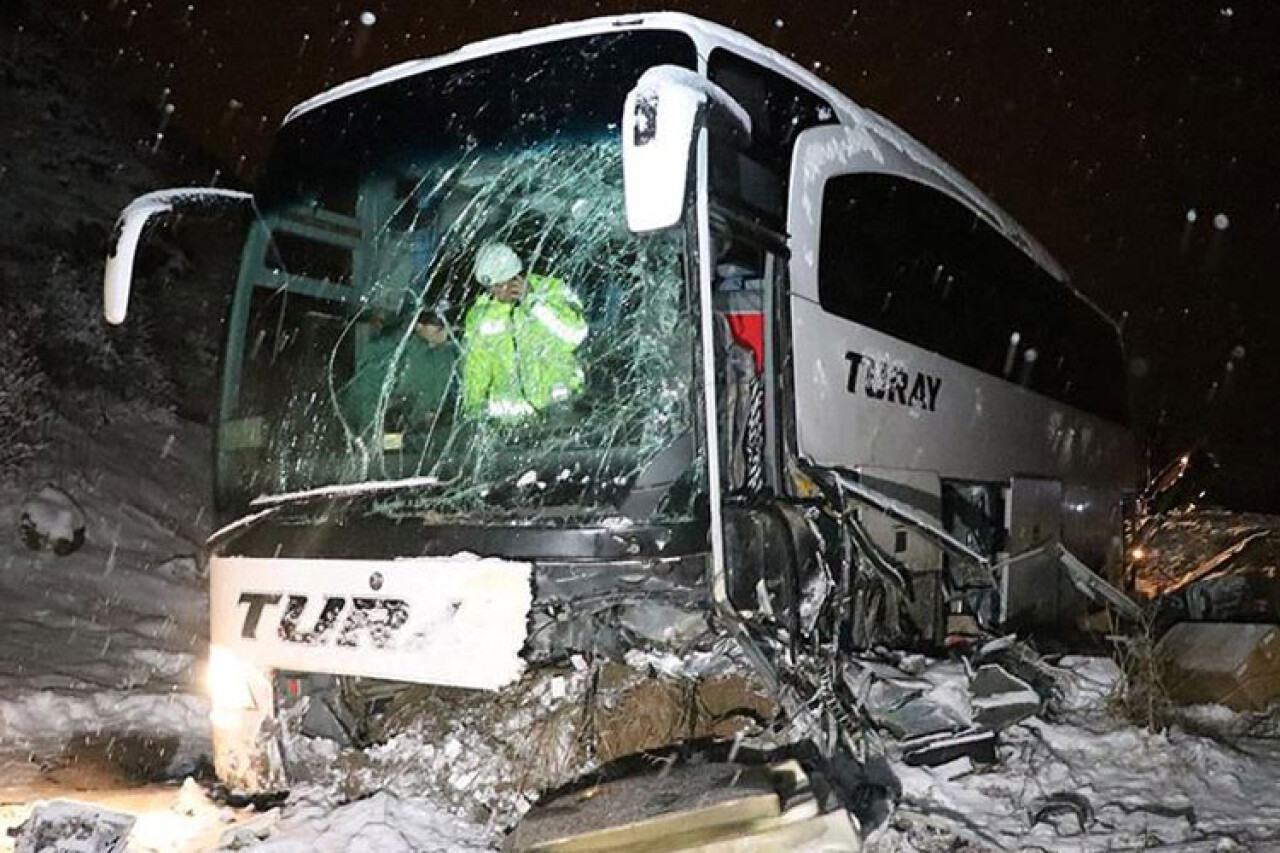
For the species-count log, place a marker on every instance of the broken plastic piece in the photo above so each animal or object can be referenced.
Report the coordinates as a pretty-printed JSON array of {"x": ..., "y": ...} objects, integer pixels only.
[
  {"x": 691, "y": 807},
  {"x": 1046, "y": 809},
  {"x": 999, "y": 699},
  {"x": 1095, "y": 587},
  {"x": 66, "y": 827},
  {"x": 977, "y": 743}
]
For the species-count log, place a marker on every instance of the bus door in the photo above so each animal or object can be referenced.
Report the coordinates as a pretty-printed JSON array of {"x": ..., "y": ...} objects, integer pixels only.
[
  {"x": 1033, "y": 589},
  {"x": 743, "y": 291}
]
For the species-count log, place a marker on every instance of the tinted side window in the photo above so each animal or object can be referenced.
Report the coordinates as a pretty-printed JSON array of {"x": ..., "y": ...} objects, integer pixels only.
[
  {"x": 779, "y": 110},
  {"x": 913, "y": 263}
]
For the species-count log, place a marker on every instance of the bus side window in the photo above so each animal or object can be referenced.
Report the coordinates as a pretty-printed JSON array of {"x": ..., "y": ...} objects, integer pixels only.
[
  {"x": 756, "y": 179},
  {"x": 912, "y": 262}
]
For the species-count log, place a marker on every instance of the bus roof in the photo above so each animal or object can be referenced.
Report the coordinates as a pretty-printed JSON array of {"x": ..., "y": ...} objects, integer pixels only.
[{"x": 708, "y": 35}]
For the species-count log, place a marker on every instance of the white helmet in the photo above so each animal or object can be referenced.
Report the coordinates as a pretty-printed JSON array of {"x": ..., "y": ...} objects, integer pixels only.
[{"x": 496, "y": 263}]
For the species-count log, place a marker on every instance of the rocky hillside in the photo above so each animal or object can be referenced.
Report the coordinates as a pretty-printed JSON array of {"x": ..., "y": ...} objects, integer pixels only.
[{"x": 73, "y": 151}]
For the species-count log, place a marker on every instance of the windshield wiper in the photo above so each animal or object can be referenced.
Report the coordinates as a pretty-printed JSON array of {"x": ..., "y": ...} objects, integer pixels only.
[
  {"x": 344, "y": 490},
  {"x": 269, "y": 505}
]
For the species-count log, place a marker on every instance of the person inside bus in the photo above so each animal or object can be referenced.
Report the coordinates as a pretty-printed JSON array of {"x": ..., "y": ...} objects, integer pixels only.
[
  {"x": 520, "y": 340},
  {"x": 412, "y": 368}
]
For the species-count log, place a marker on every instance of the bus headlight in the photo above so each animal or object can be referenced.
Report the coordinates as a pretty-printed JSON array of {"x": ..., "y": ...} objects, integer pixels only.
[{"x": 228, "y": 680}]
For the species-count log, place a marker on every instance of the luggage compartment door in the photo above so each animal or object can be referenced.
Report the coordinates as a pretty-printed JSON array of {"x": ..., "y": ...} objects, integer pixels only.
[{"x": 1030, "y": 587}]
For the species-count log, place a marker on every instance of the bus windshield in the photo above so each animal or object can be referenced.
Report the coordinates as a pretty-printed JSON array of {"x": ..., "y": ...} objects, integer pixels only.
[{"x": 442, "y": 292}]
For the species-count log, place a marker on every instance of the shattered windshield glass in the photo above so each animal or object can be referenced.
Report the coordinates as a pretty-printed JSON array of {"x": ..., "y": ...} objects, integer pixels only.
[{"x": 442, "y": 293}]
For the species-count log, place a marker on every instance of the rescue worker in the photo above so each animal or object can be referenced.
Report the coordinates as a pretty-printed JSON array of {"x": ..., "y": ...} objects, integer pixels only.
[{"x": 520, "y": 340}]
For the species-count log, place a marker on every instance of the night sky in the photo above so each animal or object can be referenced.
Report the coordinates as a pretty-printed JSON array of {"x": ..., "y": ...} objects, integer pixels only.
[{"x": 1137, "y": 141}]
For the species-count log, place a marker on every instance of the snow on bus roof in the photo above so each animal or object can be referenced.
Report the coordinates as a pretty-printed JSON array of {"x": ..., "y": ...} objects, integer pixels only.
[{"x": 708, "y": 35}]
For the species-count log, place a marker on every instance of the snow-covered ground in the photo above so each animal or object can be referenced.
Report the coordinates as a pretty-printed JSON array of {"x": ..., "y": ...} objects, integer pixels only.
[
  {"x": 100, "y": 695},
  {"x": 100, "y": 646},
  {"x": 98, "y": 664},
  {"x": 99, "y": 692},
  {"x": 1087, "y": 781},
  {"x": 315, "y": 822}
]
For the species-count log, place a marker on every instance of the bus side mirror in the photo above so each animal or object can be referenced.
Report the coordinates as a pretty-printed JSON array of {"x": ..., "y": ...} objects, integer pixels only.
[
  {"x": 661, "y": 118},
  {"x": 118, "y": 278}
]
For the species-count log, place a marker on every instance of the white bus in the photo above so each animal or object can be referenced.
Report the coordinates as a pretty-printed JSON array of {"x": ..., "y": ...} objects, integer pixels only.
[{"x": 825, "y": 387}]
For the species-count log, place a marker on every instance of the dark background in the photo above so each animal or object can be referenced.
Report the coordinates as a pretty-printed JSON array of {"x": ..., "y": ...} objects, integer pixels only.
[{"x": 1105, "y": 128}]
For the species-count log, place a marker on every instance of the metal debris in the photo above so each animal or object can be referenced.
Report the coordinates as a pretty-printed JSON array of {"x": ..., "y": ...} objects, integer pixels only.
[
  {"x": 1048, "y": 808},
  {"x": 999, "y": 699},
  {"x": 1227, "y": 663},
  {"x": 976, "y": 743}
]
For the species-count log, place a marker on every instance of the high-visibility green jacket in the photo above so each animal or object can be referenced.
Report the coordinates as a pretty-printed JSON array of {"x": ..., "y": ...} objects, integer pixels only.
[{"x": 520, "y": 359}]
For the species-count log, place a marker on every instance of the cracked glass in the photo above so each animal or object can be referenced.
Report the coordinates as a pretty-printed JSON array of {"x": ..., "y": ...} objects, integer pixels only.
[{"x": 441, "y": 303}]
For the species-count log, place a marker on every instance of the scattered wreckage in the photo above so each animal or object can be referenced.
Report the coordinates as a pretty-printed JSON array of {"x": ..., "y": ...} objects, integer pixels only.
[
  {"x": 63, "y": 825},
  {"x": 828, "y": 399}
]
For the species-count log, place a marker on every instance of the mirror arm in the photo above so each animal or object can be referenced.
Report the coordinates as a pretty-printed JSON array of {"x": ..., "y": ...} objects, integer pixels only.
[
  {"x": 117, "y": 279},
  {"x": 730, "y": 114}
]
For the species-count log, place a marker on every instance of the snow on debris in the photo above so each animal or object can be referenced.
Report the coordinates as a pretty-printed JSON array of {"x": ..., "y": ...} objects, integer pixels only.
[
  {"x": 51, "y": 519},
  {"x": 486, "y": 758},
  {"x": 1085, "y": 780},
  {"x": 315, "y": 822},
  {"x": 67, "y": 827}
]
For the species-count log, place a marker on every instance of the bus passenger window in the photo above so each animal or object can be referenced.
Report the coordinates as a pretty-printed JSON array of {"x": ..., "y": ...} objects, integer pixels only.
[{"x": 912, "y": 262}]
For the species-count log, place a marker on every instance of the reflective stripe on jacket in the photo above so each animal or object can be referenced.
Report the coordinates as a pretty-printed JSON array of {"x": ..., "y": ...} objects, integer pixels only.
[{"x": 519, "y": 359}]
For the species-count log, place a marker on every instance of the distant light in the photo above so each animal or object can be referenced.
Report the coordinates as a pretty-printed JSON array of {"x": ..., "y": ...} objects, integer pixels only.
[
  {"x": 1221, "y": 222},
  {"x": 368, "y": 18},
  {"x": 1192, "y": 216},
  {"x": 779, "y": 23},
  {"x": 1138, "y": 553}
]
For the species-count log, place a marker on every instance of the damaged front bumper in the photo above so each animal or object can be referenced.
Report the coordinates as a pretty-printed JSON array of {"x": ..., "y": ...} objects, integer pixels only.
[{"x": 281, "y": 626}]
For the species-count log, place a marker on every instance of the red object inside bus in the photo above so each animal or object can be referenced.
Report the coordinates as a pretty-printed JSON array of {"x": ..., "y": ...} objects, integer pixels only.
[{"x": 748, "y": 330}]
